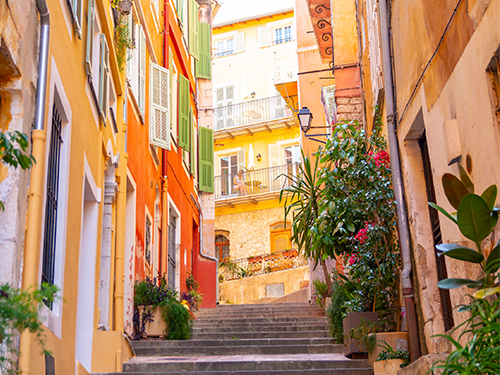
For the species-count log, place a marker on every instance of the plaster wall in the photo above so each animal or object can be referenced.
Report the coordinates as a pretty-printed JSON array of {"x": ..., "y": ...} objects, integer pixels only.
[
  {"x": 253, "y": 288},
  {"x": 469, "y": 103},
  {"x": 258, "y": 75},
  {"x": 18, "y": 61}
]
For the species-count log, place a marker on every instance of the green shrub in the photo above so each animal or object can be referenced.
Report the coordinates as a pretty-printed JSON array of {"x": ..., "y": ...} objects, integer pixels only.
[
  {"x": 389, "y": 353},
  {"x": 179, "y": 323},
  {"x": 338, "y": 308},
  {"x": 153, "y": 291}
]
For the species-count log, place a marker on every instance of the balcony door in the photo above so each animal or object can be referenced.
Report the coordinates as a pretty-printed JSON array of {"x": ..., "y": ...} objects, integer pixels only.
[
  {"x": 291, "y": 156},
  {"x": 228, "y": 169},
  {"x": 225, "y": 97},
  {"x": 280, "y": 237}
]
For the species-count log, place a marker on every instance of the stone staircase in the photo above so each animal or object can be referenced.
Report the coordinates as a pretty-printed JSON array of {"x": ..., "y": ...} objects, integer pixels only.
[{"x": 248, "y": 340}]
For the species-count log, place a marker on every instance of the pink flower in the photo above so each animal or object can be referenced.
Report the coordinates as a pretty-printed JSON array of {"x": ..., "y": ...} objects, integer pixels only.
[
  {"x": 382, "y": 158},
  {"x": 352, "y": 260},
  {"x": 362, "y": 235}
]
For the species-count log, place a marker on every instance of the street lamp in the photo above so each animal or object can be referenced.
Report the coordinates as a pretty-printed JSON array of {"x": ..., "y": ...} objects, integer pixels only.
[{"x": 305, "y": 117}]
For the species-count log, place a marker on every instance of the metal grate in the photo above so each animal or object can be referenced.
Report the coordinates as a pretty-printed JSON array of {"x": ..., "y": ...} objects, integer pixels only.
[
  {"x": 221, "y": 247},
  {"x": 51, "y": 199},
  {"x": 447, "y": 309}
]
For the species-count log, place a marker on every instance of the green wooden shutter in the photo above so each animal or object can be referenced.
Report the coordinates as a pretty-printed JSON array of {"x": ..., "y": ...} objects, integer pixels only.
[
  {"x": 204, "y": 64},
  {"x": 159, "y": 126},
  {"x": 184, "y": 112},
  {"x": 193, "y": 28},
  {"x": 90, "y": 38},
  {"x": 192, "y": 156},
  {"x": 206, "y": 159},
  {"x": 179, "y": 6}
]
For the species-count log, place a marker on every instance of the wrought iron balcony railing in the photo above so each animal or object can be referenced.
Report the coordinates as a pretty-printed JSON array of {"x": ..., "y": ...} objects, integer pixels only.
[
  {"x": 251, "y": 112},
  {"x": 261, "y": 264},
  {"x": 258, "y": 181}
]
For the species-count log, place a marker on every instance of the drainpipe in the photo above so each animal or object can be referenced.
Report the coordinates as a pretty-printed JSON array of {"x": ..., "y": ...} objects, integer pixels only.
[
  {"x": 397, "y": 183},
  {"x": 34, "y": 216}
]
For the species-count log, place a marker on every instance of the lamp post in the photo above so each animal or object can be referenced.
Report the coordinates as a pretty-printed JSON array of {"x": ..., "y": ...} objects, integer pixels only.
[{"x": 305, "y": 117}]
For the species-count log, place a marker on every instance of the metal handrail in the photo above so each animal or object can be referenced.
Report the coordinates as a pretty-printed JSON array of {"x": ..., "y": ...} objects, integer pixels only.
[
  {"x": 258, "y": 181},
  {"x": 251, "y": 112},
  {"x": 260, "y": 264}
]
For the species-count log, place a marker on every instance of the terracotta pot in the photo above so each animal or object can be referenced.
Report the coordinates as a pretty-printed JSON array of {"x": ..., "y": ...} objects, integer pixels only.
[
  {"x": 156, "y": 328},
  {"x": 391, "y": 338},
  {"x": 125, "y": 7},
  {"x": 354, "y": 349},
  {"x": 388, "y": 367}
]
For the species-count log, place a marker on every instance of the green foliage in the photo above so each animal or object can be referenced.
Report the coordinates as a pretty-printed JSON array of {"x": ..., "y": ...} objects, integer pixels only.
[
  {"x": 321, "y": 289},
  {"x": 153, "y": 291},
  {"x": 302, "y": 199},
  {"x": 123, "y": 41},
  {"x": 476, "y": 217},
  {"x": 194, "y": 296},
  {"x": 337, "y": 311},
  {"x": 178, "y": 321},
  {"x": 389, "y": 353},
  {"x": 13, "y": 152},
  {"x": 19, "y": 310},
  {"x": 481, "y": 353}
]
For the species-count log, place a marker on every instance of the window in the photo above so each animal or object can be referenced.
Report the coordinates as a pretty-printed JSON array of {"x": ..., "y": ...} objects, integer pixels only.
[
  {"x": 147, "y": 243},
  {"x": 174, "y": 89},
  {"x": 282, "y": 34},
  {"x": 280, "y": 237},
  {"x": 51, "y": 200},
  {"x": 103, "y": 79},
  {"x": 494, "y": 70},
  {"x": 228, "y": 169},
  {"x": 224, "y": 47},
  {"x": 159, "y": 129},
  {"x": 136, "y": 67},
  {"x": 221, "y": 247},
  {"x": 225, "y": 96},
  {"x": 328, "y": 100}
]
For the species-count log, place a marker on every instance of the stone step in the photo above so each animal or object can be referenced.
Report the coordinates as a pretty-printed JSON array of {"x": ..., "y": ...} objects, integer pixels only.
[
  {"x": 287, "y": 319},
  {"x": 303, "y": 314},
  {"x": 263, "y": 305},
  {"x": 335, "y": 371},
  {"x": 261, "y": 328},
  {"x": 236, "y": 349},
  {"x": 257, "y": 335},
  {"x": 242, "y": 363},
  {"x": 271, "y": 341}
]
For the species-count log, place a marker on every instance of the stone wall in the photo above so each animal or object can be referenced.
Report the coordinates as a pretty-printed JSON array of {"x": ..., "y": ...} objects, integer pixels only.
[
  {"x": 253, "y": 288},
  {"x": 349, "y": 109},
  {"x": 249, "y": 232},
  {"x": 18, "y": 64}
]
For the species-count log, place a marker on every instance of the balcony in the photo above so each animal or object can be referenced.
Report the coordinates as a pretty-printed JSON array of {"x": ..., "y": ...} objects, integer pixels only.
[
  {"x": 261, "y": 184},
  {"x": 252, "y": 116}
]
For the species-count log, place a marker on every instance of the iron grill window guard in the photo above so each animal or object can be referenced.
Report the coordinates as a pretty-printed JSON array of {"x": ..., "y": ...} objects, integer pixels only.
[{"x": 51, "y": 200}]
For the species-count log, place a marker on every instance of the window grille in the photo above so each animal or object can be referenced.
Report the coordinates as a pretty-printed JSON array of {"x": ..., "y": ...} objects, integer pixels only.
[
  {"x": 147, "y": 240},
  {"x": 221, "y": 247},
  {"x": 283, "y": 35},
  {"x": 447, "y": 309},
  {"x": 51, "y": 200}
]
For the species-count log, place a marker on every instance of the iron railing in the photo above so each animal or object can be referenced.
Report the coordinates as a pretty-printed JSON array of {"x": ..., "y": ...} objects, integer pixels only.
[
  {"x": 250, "y": 112},
  {"x": 258, "y": 181},
  {"x": 261, "y": 264}
]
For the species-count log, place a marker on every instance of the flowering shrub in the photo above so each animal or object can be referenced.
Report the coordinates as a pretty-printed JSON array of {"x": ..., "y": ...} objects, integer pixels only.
[{"x": 358, "y": 218}]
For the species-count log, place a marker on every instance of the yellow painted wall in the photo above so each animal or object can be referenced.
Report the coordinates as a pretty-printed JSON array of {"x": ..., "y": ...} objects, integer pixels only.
[
  {"x": 253, "y": 288},
  {"x": 253, "y": 69}
]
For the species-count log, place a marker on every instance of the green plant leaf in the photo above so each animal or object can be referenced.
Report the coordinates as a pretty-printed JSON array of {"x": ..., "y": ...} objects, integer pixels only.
[
  {"x": 464, "y": 177},
  {"x": 459, "y": 252},
  {"x": 474, "y": 218},
  {"x": 443, "y": 211},
  {"x": 493, "y": 260},
  {"x": 483, "y": 293},
  {"x": 454, "y": 189},
  {"x": 490, "y": 196},
  {"x": 457, "y": 283},
  {"x": 494, "y": 219}
]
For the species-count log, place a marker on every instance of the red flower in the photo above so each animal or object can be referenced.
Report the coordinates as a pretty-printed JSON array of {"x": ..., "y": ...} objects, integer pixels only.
[
  {"x": 362, "y": 235},
  {"x": 382, "y": 158}
]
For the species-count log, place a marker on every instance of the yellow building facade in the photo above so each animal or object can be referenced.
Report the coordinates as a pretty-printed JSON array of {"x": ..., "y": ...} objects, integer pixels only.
[{"x": 256, "y": 143}]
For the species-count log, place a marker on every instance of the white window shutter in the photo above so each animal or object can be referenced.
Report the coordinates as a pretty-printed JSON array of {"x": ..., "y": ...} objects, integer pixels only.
[
  {"x": 229, "y": 95},
  {"x": 103, "y": 78},
  {"x": 263, "y": 36},
  {"x": 90, "y": 38},
  {"x": 239, "y": 42},
  {"x": 159, "y": 125},
  {"x": 240, "y": 155},
  {"x": 274, "y": 155}
]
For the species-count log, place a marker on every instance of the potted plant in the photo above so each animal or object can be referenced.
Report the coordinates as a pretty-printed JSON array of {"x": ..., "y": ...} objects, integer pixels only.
[
  {"x": 124, "y": 6},
  {"x": 149, "y": 294},
  {"x": 390, "y": 361}
]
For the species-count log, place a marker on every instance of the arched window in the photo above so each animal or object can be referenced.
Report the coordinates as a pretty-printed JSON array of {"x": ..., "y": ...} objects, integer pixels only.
[
  {"x": 280, "y": 237},
  {"x": 221, "y": 247}
]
